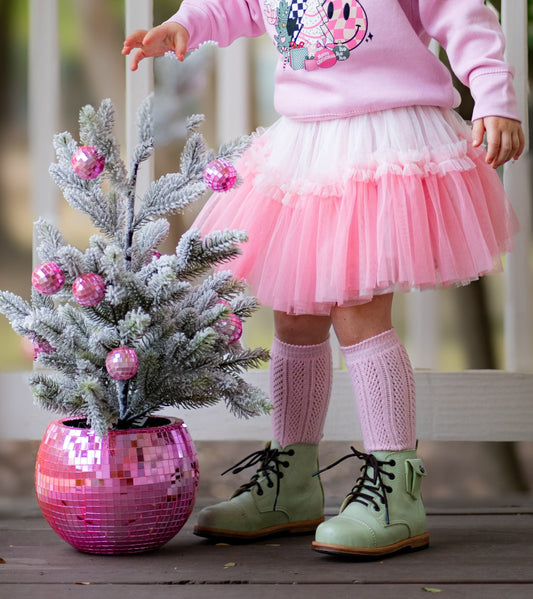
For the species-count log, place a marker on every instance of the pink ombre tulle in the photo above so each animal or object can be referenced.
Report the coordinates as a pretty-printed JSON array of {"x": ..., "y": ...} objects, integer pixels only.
[{"x": 338, "y": 211}]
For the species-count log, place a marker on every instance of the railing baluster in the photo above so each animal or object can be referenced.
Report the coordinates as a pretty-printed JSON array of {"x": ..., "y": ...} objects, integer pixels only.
[{"x": 518, "y": 290}]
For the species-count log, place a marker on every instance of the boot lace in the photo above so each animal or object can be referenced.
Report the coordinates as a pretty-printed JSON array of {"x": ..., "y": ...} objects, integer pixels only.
[
  {"x": 370, "y": 488},
  {"x": 270, "y": 462}
]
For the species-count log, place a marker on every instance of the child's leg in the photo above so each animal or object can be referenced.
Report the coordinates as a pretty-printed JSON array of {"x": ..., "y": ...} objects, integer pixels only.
[
  {"x": 381, "y": 374},
  {"x": 300, "y": 378},
  {"x": 383, "y": 512},
  {"x": 283, "y": 495}
]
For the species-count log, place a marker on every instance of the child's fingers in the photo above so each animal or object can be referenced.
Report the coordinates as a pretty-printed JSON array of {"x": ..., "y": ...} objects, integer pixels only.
[
  {"x": 181, "y": 40},
  {"x": 478, "y": 131},
  {"x": 505, "y": 140},
  {"x": 134, "y": 40},
  {"x": 136, "y": 59},
  {"x": 521, "y": 144}
]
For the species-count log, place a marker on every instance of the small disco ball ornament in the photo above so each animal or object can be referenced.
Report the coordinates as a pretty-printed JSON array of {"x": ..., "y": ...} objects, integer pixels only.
[
  {"x": 220, "y": 175},
  {"x": 87, "y": 163},
  {"x": 89, "y": 289},
  {"x": 41, "y": 347},
  {"x": 122, "y": 363},
  {"x": 230, "y": 327},
  {"x": 48, "y": 278}
]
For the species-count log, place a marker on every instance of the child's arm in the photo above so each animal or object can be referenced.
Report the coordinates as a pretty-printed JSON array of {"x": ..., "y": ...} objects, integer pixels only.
[
  {"x": 505, "y": 138},
  {"x": 167, "y": 37}
]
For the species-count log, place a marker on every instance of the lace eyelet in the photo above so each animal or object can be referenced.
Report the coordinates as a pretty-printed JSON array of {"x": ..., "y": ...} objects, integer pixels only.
[
  {"x": 260, "y": 491},
  {"x": 291, "y": 452},
  {"x": 388, "y": 489},
  {"x": 392, "y": 463},
  {"x": 392, "y": 476},
  {"x": 270, "y": 485},
  {"x": 280, "y": 475}
]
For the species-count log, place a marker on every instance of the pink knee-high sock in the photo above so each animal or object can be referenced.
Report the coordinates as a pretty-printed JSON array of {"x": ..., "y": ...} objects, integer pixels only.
[
  {"x": 300, "y": 388},
  {"x": 384, "y": 387}
]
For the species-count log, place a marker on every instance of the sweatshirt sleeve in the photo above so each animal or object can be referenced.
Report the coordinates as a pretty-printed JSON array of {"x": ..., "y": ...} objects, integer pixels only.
[
  {"x": 221, "y": 21},
  {"x": 472, "y": 37}
]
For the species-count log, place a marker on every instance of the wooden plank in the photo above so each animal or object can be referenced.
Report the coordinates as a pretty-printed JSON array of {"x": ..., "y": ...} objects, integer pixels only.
[
  {"x": 267, "y": 591},
  {"x": 473, "y": 549},
  {"x": 482, "y": 405}
]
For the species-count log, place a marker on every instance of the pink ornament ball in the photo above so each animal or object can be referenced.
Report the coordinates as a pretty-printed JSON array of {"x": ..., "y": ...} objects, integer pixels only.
[
  {"x": 41, "y": 347},
  {"x": 48, "y": 278},
  {"x": 325, "y": 58},
  {"x": 89, "y": 289},
  {"x": 230, "y": 327},
  {"x": 122, "y": 363},
  {"x": 87, "y": 163},
  {"x": 220, "y": 175}
]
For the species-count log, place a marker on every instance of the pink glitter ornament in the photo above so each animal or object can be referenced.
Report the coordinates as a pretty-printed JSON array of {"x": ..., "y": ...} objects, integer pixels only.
[
  {"x": 220, "y": 175},
  {"x": 41, "y": 347},
  {"x": 230, "y": 327},
  {"x": 87, "y": 163},
  {"x": 122, "y": 363},
  {"x": 48, "y": 278},
  {"x": 156, "y": 255},
  {"x": 89, "y": 289}
]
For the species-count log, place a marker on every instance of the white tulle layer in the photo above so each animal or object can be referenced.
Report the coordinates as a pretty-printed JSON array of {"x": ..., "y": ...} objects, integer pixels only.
[{"x": 338, "y": 211}]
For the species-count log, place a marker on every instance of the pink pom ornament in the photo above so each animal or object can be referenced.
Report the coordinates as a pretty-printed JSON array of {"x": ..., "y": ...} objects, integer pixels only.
[
  {"x": 220, "y": 175},
  {"x": 48, "y": 278},
  {"x": 87, "y": 163},
  {"x": 89, "y": 289},
  {"x": 122, "y": 363}
]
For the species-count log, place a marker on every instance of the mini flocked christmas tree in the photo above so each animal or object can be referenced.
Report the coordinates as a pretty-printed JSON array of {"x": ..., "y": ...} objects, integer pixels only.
[{"x": 119, "y": 330}]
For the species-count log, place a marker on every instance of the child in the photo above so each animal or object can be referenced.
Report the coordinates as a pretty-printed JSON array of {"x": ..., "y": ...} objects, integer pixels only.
[{"x": 368, "y": 184}]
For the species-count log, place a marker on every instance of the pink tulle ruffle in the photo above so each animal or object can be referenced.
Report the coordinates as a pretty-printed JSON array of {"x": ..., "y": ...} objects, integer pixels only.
[{"x": 403, "y": 201}]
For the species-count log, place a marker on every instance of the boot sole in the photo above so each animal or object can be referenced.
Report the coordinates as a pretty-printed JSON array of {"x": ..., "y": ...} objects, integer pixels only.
[
  {"x": 411, "y": 544},
  {"x": 303, "y": 527}
]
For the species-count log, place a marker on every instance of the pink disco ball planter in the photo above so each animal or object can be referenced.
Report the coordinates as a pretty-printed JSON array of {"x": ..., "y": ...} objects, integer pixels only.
[{"x": 128, "y": 492}]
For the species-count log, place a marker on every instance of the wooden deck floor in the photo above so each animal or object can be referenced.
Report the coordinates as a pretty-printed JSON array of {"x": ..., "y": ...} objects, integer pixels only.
[{"x": 481, "y": 554}]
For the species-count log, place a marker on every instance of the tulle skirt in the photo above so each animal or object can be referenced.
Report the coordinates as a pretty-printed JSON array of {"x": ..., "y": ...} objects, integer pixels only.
[{"x": 339, "y": 211}]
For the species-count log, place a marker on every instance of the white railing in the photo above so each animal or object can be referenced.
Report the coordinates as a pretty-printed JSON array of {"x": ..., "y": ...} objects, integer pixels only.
[{"x": 467, "y": 405}]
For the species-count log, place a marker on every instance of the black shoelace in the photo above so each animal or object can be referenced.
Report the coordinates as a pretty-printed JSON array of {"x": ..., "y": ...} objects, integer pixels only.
[
  {"x": 369, "y": 489},
  {"x": 270, "y": 462}
]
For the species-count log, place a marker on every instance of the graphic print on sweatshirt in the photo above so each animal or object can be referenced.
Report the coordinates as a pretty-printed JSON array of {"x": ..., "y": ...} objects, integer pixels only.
[{"x": 313, "y": 34}]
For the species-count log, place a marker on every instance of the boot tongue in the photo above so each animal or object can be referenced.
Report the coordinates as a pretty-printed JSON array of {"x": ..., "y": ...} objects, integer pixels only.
[{"x": 370, "y": 488}]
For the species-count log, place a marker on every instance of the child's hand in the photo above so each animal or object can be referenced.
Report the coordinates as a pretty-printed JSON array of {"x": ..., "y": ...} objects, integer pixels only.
[
  {"x": 505, "y": 139},
  {"x": 156, "y": 42}
]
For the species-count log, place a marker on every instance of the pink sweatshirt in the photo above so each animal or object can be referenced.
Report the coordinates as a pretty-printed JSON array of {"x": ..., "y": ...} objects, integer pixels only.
[{"x": 339, "y": 58}]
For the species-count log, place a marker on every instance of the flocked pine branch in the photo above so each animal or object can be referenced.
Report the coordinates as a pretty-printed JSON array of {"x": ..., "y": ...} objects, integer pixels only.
[{"x": 132, "y": 301}]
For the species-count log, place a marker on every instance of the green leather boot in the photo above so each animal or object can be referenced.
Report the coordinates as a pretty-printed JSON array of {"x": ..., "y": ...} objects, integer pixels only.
[
  {"x": 282, "y": 497},
  {"x": 383, "y": 513}
]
